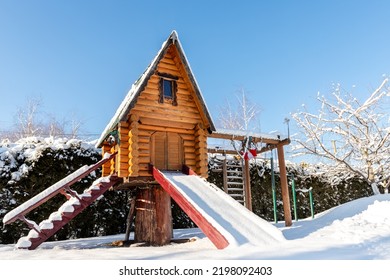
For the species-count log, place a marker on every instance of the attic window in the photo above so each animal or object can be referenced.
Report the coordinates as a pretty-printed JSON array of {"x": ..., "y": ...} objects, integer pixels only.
[{"x": 168, "y": 89}]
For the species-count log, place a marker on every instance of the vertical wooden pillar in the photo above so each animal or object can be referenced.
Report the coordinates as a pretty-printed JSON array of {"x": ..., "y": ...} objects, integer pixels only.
[
  {"x": 153, "y": 222},
  {"x": 201, "y": 151},
  {"x": 113, "y": 160},
  {"x": 123, "y": 152},
  {"x": 284, "y": 187},
  {"x": 133, "y": 146},
  {"x": 224, "y": 173},
  {"x": 106, "y": 168},
  {"x": 247, "y": 185}
]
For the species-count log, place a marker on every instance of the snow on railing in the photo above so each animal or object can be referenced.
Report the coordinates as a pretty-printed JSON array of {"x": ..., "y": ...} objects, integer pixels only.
[{"x": 61, "y": 186}]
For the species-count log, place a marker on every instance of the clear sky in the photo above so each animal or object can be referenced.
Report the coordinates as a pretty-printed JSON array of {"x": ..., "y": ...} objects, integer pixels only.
[{"x": 81, "y": 57}]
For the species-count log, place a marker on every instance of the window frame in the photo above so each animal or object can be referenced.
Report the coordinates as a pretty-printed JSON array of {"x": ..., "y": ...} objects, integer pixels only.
[{"x": 172, "y": 97}]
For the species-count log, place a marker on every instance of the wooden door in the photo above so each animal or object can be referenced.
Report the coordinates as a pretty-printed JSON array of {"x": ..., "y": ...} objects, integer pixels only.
[{"x": 167, "y": 150}]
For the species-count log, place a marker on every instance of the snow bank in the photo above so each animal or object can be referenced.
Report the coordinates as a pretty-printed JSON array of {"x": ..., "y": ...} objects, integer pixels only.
[{"x": 369, "y": 238}]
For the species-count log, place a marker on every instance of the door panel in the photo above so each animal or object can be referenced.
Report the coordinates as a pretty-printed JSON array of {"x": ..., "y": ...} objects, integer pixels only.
[
  {"x": 175, "y": 151},
  {"x": 167, "y": 149}
]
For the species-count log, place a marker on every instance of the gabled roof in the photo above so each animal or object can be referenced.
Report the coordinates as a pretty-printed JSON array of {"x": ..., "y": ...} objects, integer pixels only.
[{"x": 131, "y": 97}]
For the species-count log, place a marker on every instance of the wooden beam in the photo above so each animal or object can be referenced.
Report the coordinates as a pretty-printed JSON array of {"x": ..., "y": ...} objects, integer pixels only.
[{"x": 217, "y": 135}]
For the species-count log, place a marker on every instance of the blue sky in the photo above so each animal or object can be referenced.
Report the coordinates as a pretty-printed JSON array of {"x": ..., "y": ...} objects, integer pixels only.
[{"x": 81, "y": 57}]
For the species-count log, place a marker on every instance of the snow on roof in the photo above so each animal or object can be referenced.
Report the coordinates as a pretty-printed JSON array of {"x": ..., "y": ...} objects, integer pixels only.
[{"x": 137, "y": 87}]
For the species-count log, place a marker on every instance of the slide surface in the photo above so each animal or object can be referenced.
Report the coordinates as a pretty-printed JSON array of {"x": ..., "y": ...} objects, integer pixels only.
[{"x": 222, "y": 219}]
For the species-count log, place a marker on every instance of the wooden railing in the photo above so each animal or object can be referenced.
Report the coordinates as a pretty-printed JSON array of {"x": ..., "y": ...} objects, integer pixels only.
[{"x": 62, "y": 186}]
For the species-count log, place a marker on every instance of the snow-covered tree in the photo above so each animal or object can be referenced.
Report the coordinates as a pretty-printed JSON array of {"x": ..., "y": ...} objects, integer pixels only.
[
  {"x": 242, "y": 115},
  {"x": 353, "y": 136}
]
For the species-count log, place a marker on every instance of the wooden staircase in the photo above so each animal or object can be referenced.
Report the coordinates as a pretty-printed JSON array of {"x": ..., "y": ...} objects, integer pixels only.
[{"x": 70, "y": 209}]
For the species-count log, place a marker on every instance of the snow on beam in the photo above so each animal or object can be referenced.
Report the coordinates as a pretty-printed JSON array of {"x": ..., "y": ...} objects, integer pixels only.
[{"x": 231, "y": 134}]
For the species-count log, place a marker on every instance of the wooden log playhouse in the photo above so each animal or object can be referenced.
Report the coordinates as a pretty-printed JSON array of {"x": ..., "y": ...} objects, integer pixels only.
[{"x": 162, "y": 126}]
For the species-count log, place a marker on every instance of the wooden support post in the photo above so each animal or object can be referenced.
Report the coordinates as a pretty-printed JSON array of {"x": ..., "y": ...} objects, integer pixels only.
[
  {"x": 153, "y": 223},
  {"x": 247, "y": 184},
  {"x": 284, "y": 186},
  {"x": 224, "y": 173},
  {"x": 130, "y": 217},
  {"x": 133, "y": 147},
  {"x": 201, "y": 151},
  {"x": 106, "y": 168}
]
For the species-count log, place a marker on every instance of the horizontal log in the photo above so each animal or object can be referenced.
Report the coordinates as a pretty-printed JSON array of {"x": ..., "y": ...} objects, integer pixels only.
[
  {"x": 166, "y": 70},
  {"x": 123, "y": 125},
  {"x": 190, "y": 156},
  {"x": 170, "y": 117},
  {"x": 143, "y": 146},
  {"x": 144, "y": 153},
  {"x": 183, "y": 105},
  {"x": 189, "y": 143},
  {"x": 160, "y": 122},
  {"x": 123, "y": 150},
  {"x": 123, "y": 130},
  {"x": 144, "y": 133},
  {"x": 144, "y": 160},
  {"x": 190, "y": 162},
  {"x": 188, "y": 137},
  {"x": 189, "y": 150},
  {"x": 123, "y": 173},
  {"x": 124, "y": 159},
  {"x": 144, "y": 173},
  {"x": 143, "y": 166},
  {"x": 166, "y": 64},
  {"x": 201, "y": 145},
  {"x": 133, "y": 148},
  {"x": 166, "y": 129},
  {"x": 165, "y": 109},
  {"x": 183, "y": 95},
  {"x": 143, "y": 139},
  {"x": 124, "y": 138},
  {"x": 168, "y": 60}
]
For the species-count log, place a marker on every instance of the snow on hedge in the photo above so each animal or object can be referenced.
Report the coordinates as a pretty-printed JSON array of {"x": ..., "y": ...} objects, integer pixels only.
[{"x": 17, "y": 159}]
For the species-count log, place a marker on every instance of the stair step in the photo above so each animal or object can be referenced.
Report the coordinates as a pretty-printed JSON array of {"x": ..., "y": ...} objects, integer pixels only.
[
  {"x": 234, "y": 171},
  {"x": 236, "y": 195},
  {"x": 234, "y": 177},
  {"x": 235, "y": 183},
  {"x": 235, "y": 189}
]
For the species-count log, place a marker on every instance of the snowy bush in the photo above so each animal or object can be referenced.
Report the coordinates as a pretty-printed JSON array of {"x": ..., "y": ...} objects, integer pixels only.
[{"x": 32, "y": 164}]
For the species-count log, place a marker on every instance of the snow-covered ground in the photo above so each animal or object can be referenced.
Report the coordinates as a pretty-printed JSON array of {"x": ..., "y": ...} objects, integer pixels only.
[{"x": 358, "y": 230}]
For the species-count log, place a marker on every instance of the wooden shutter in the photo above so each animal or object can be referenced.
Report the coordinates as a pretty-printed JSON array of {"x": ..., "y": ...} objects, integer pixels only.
[
  {"x": 159, "y": 150},
  {"x": 175, "y": 151},
  {"x": 167, "y": 149}
]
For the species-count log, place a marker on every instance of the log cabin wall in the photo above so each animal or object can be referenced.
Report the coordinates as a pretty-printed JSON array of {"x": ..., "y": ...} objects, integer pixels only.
[{"x": 166, "y": 132}]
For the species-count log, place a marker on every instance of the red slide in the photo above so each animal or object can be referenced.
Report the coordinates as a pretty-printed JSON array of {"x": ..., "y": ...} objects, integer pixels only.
[{"x": 222, "y": 219}]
